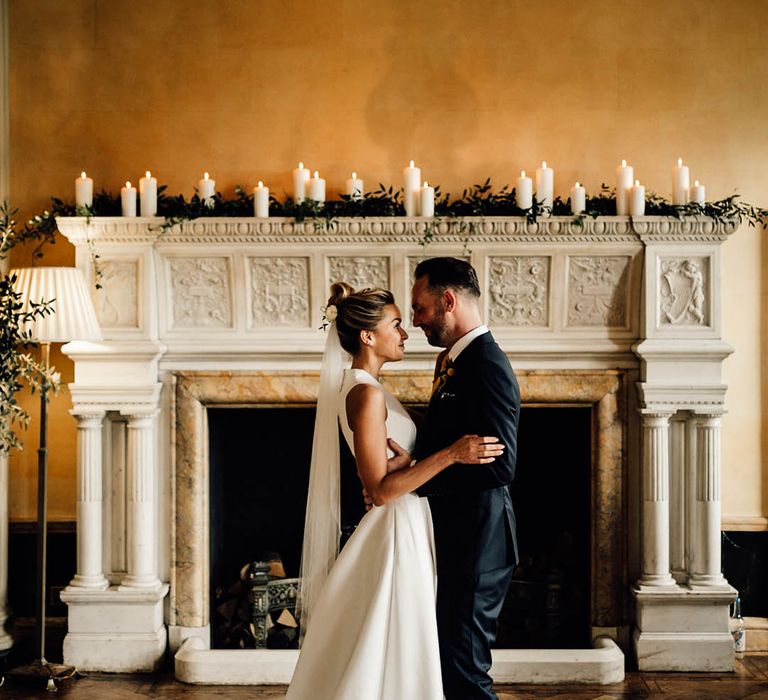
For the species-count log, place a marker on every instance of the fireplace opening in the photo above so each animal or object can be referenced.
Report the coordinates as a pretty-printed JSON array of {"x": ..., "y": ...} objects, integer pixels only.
[
  {"x": 259, "y": 472},
  {"x": 548, "y": 603}
]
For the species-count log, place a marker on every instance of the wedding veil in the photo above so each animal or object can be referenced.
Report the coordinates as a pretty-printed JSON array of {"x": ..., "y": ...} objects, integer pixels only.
[{"x": 322, "y": 523}]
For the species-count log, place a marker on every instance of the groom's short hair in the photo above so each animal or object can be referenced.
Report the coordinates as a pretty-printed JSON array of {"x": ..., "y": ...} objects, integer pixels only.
[{"x": 448, "y": 273}]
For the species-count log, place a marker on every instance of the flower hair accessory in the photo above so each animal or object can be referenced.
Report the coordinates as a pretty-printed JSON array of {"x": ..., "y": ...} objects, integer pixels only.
[{"x": 330, "y": 313}]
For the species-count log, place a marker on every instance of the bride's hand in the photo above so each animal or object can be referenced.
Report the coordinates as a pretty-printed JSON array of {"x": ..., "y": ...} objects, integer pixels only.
[
  {"x": 476, "y": 449},
  {"x": 401, "y": 459}
]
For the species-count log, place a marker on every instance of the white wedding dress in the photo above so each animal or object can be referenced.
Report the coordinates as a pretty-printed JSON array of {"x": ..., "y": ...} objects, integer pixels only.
[{"x": 373, "y": 633}]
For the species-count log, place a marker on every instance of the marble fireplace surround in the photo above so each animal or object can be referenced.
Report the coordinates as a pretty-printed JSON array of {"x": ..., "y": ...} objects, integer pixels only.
[
  {"x": 603, "y": 391},
  {"x": 617, "y": 314}
]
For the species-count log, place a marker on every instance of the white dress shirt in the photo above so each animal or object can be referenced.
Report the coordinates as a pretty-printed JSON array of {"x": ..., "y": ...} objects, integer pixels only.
[{"x": 465, "y": 340}]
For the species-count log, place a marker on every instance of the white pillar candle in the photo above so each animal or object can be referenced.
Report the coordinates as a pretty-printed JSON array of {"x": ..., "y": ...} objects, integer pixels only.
[
  {"x": 206, "y": 188},
  {"x": 148, "y": 195},
  {"x": 578, "y": 198},
  {"x": 128, "y": 199},
  {"x": 355, "y": 187},
  {"x": 545, "y": 184},
  {"x": 524, "y": 191},
  {"x": 698, "y": 194},
  {"x": 637, "y": 200},
  {"x": 83, "y": 190},
  {"x": 681, "y": 183},
  {"x": 316, "y": 188},
  {"x": 624, "y": 175},
  {"x": 412, "y": 179},
  {"x": 300, "y": 180},
  {"x": 261, "y": 201},
  {"x": 427, "y": 203}
]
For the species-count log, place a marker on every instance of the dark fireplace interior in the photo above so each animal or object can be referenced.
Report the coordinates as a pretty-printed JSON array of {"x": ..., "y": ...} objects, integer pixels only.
[{"x": 259, "y": 469}]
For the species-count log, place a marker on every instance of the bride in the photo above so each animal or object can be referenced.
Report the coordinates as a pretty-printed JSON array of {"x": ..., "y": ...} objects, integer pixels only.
[{"x": 370, "y": 622}]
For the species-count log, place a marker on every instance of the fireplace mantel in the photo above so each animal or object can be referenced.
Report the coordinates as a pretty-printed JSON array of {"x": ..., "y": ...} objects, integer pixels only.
[{"x": 227, "y": 295}]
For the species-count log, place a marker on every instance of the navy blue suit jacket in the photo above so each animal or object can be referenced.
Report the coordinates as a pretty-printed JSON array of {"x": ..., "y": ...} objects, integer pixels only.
[{"x": 471, "y": 505}]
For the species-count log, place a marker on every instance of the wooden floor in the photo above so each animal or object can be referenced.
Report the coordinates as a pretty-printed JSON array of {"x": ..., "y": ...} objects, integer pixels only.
[{"x": 749, "y": 681}]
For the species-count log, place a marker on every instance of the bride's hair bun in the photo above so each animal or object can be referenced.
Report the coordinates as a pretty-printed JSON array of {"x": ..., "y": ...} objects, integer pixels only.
[
  {"x": 339, "y": 292},
  {"x": 357, "y": 311}
]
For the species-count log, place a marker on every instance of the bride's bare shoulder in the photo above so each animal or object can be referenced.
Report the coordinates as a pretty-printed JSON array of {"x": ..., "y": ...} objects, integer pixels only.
[{"x": 365, "y": 400}]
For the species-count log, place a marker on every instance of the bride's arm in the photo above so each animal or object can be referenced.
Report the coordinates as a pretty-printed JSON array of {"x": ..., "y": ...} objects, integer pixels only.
[{"x": 367, "y": 412}]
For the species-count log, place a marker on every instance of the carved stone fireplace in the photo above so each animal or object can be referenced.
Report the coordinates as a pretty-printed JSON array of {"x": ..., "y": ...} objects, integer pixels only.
[{"x": 620, "y": 317}]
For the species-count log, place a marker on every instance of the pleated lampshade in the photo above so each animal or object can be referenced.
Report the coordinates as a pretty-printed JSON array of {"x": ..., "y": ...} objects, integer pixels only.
[{"x": 74, "y": 317}]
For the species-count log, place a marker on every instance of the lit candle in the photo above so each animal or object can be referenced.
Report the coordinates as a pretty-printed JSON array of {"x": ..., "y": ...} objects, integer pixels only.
[
  {"x": 148, "y": 195},
  {"x": 316, "y": 188},
  {"x": 524, "y": 191},
  {"x": 83, "y": 190},
  {"x": 355, "y": 187},
  {"x": 681, "y": 183},
  {"x": 624, "y": 175},
  {"x": 427, "y": 203},
  {"x": 412, "y": 178},
  {"x": 128, "y": 199},
  {"x": 545, "y": 184},
  {"x": 637, "y": 200},
  {"x": 261, "y": 201},
  {"x": 578, "y": 198},
  {"x": 697, "y": 193},
  {"x": 206, "y": 188},
  {"x": 300, "y": 180}
]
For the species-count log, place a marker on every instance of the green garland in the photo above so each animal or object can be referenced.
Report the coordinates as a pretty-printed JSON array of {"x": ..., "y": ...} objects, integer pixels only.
[{"x": 476, "y": 201}]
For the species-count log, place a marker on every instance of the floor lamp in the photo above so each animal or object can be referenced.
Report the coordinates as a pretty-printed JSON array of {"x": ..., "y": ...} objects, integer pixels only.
[{"x": 73, "y": 318}]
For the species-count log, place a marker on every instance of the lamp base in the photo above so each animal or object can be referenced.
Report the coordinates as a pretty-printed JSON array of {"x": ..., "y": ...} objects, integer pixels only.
[{"x": 43, "y": 675}]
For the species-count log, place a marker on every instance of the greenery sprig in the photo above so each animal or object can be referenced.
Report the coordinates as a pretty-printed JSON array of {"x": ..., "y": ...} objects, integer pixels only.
[{"x": 17, "y": 365}]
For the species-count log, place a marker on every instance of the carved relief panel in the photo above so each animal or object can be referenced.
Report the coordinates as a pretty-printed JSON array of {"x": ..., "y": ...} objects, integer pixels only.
[
  {"x": 684, "y": 291},
  {"x": 359, "y": 271},
  {"x": 279, "y": 291},
  {"x": 518, "y": 290},
  {"x": 117, "y": 302},
  {"x": 597, "y": 290},
  {"x": 200, "y": 289}
]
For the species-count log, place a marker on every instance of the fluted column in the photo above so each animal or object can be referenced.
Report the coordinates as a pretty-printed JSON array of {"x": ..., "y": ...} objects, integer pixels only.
[
  {"x": 6, "y": 641},
  {"x": 90, "y": 569},
  {"x": 140, "y": 484},
  {"x": 655, "y": 564},
  {"x": 705, "y": 565}
]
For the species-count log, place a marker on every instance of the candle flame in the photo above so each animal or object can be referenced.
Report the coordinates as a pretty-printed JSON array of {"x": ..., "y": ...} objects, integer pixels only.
[
  {"x": 623, "y": 163},
  {"x": 82, "y": 174},
  {"x": 695, "y": 183},
  {"x": 128, "y": 184},
  {"x": 543, "y": 164},
  {"x": 522, "y": 173},
  {"x": 317, "y": 175},
  {"x": 411, "y": 165},
  {"x": 205, "y": 176},
  {"x": 301, "y": 165},
  {"x": 426, "y": 184},
  {"x": 261, "y": 184},
  {"x": 679, "y": 162},
  {"x": 354, "y": 175},
  {"x": 149, "y": 174},
  {"x": 577, "y": 184},
  {"x": 637, "y": 183}
]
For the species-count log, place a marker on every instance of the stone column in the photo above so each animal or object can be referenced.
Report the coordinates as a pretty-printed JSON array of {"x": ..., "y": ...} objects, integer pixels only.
[
  {"x": 90, "y": 569},
  {"x": 6, "y": 642},
  {"x": 705, "y": 565},
  {"x": 140, "y": 484},
  {"x": 655, "y": 564}
]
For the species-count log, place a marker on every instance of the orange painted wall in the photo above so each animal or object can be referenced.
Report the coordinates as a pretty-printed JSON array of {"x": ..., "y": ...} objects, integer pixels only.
[{"x": 245, "y": 89}]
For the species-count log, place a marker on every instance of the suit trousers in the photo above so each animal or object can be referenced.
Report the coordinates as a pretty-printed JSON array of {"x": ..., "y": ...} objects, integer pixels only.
[{"x": 468, "y": 607}]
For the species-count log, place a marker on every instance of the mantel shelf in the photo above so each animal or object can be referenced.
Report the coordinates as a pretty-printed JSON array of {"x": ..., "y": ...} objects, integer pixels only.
[{"x": 443, "y": 230}]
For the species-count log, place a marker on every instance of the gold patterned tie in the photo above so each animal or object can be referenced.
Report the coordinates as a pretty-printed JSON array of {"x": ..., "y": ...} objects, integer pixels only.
[{"x": 446, "y": 370}]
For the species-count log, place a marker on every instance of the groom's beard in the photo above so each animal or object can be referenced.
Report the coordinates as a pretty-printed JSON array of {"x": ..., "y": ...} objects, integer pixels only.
[{"x": 435, "y": 329}]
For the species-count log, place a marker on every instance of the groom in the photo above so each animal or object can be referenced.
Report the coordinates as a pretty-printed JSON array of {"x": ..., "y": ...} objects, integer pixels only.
[{"x": 475, "y": 392}]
